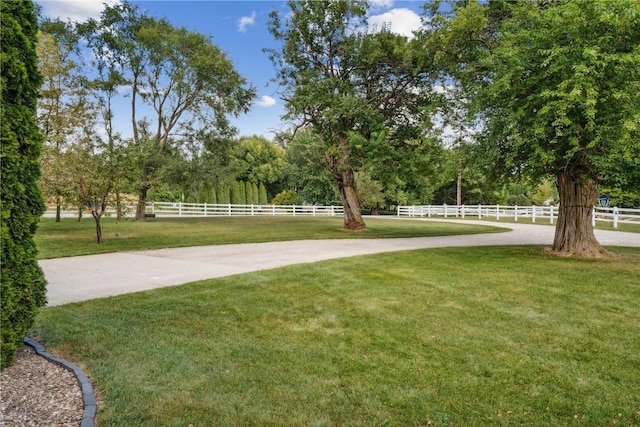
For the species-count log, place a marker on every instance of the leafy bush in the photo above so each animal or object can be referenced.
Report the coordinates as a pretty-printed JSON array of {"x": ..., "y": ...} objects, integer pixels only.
[
  {"x": 286, "y": 197},
  {"x": 165, "y": 195},
  {"x": 519, "y": 200}
]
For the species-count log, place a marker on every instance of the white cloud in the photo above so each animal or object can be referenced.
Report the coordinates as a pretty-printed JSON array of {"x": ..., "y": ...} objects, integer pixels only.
[
  {"x": 266, "y": 101},
  {"x": 381, "y": 4},
  {"x": 246, "y": 21},
  {"x": 401, "y": 21},
  {"x": 74, "y": 10}
]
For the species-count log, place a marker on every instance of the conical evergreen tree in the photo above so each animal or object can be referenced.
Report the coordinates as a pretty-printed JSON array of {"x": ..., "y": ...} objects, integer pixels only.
[
  {"x": 263, "y": 199},
  {"x": 242, "y": 194},
  {"x": 22, "y": 283}
]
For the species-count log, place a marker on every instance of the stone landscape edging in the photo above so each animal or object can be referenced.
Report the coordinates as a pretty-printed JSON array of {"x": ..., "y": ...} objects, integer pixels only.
[{"x": 88, "y": 398}]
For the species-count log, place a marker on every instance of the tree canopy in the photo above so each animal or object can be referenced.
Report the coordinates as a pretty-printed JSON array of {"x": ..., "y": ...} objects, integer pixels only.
[
  {"x": 557, "y": 87},
  {"x": 361, "y": 91},
  {"x": 187, "y": 81}
]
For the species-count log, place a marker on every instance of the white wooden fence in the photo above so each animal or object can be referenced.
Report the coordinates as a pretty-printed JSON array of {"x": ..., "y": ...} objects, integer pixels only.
[
  {"x": 534, "y": 213},
  {"x": 172, "y": 210},
  {"x": 162, "y": 209}
]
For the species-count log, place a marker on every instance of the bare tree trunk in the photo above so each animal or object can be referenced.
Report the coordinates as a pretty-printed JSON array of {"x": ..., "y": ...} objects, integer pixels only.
[
  {"x": 574, "y": 233},
  {"x": 58, "y": 207},
  {"x": 349, "y": 196},
  {"x": 459, "y": 188},
  {"x": 460, "y": 168},
  {"x": 97, "y": 217},
  {"x": 118, "y": 206},
  {"x": 142, "y": 201}
]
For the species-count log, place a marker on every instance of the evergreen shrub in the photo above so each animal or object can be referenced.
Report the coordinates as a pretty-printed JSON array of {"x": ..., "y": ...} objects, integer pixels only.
[{"x": 23, "y": 288}]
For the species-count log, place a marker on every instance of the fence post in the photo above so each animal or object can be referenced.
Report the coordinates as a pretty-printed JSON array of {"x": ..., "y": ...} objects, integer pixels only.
[
  {"x": 205, "y": 208},
  {"x": 179, "y": 208},
  {"x": 615, "y": 217},
  {"x": 593, "y": 217},
  {"x": 497, "y": 212},
  {"x": 551, "y": 209},
  {"x": 462, "y": 211},
  {"x": 229, "y": 210},
  {"x": 533, "y": 214},
  {"x": 515, "y": 213},
  {"x": 479, "y": 211}
]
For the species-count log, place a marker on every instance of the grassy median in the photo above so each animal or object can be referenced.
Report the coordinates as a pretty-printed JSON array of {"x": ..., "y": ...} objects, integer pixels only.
[
  {"x": 70, "y": 237},
  {"x": 461, "y": 336}
]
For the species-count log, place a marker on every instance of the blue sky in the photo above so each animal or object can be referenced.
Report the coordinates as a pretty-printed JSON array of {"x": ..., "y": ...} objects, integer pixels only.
[{"x": 239, "y": 28}]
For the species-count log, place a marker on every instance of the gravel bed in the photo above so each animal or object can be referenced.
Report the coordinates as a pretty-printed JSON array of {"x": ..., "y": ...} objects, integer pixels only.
[{"x": 37, "y": 392}]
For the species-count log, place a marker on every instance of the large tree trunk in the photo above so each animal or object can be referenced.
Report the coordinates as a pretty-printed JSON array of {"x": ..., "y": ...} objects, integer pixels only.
[
  {"x": 574, "y": 233},
  {"x": 346, "y": 183},
  {"x": 142, "y": 201}
]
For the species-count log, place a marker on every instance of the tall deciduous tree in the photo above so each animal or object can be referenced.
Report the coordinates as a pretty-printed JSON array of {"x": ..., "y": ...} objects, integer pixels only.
[
  {"x": 359, "y": 90},
  {"x": 198, "y": 164},
  {"x": 558, "y": 85},
  {"x": 23, "y": 287},
  {"x": 182, "y": 76},
  {"x": 83, "y": 166},
  {"x": 256, "y": 159},
  {"x": 64, "y": 106},
  {"x": 305, "y": 171}
]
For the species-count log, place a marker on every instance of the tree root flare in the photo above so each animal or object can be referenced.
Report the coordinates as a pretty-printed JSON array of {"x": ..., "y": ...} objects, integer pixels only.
[{"x": 593, "y": 253}]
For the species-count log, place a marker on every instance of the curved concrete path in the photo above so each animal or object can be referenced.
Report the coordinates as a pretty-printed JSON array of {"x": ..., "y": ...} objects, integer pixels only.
[{"x": 87, "y": 277}]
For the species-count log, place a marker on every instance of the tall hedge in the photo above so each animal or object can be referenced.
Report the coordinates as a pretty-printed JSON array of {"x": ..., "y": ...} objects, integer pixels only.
[{"x": 22, "y": 280}]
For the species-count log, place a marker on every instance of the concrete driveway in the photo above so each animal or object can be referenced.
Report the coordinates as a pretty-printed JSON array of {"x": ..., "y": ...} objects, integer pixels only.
[{"x": 83, "y": 278}]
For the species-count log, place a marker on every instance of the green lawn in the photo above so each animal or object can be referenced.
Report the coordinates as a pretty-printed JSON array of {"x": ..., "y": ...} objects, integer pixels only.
[
  {"x": 601, "y": 225},
  {"x": 464, "y": 336},
  {"x": 70, "y": 237}
]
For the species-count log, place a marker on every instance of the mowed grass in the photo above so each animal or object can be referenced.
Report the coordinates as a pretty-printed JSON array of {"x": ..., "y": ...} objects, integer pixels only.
[
  {"x": 460, "y": 336},
  {"x": 71, "y": 238},
  {"x": 628, "y": 227}
]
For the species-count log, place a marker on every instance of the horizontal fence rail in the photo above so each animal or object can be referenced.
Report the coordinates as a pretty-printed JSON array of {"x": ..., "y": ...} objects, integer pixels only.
[
  {"x": 173, "y": 210},
  {"x": 534, "y": 213},
  {"x": 160, "y": 209}
]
